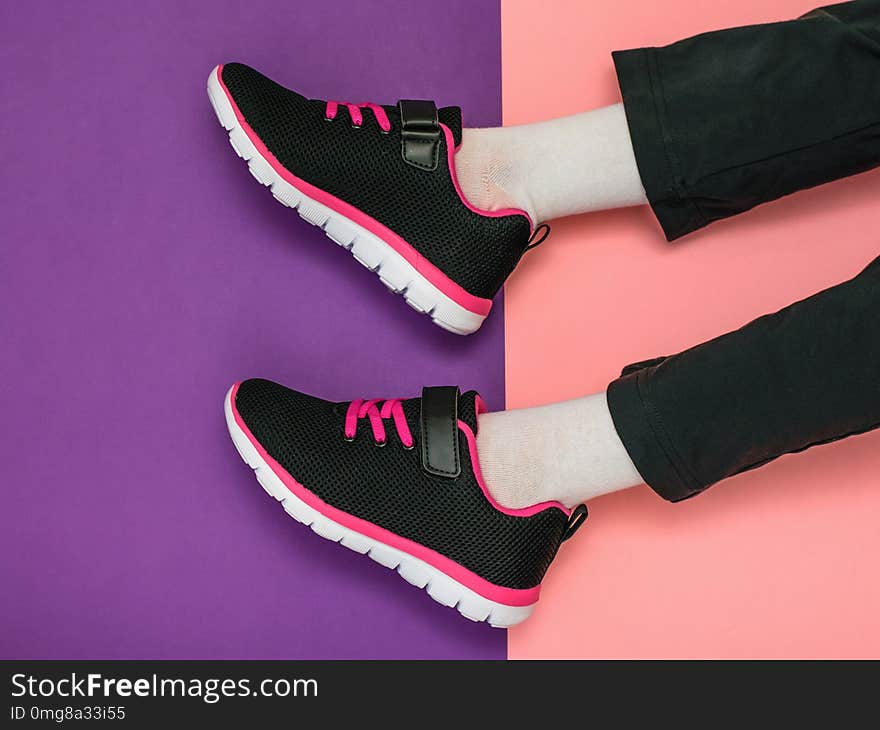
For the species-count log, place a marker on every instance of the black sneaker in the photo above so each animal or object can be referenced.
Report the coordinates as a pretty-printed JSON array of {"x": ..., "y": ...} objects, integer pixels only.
[
  {"x": 380, "y": 181},
  {"x": 399, "y": 480}
]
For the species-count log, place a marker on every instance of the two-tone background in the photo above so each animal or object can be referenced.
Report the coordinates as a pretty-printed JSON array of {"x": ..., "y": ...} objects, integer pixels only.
[{"x": 142, "y": 271}]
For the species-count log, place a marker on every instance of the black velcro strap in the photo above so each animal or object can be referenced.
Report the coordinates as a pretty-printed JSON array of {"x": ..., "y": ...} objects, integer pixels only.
[
  {"x": 439, "y": 424},
  {"x": 420, "y": 133}
]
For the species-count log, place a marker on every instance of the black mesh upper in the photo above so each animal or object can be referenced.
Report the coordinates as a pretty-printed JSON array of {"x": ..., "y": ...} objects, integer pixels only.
[
  {"x": 365, "y": 168},
  {"x": 388, "y": 487}
]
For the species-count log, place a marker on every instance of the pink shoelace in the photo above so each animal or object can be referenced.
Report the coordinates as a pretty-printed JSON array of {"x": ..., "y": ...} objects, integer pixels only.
[
  {"x": 357, "y": 118},
  {"x": 391, "y": 408}
]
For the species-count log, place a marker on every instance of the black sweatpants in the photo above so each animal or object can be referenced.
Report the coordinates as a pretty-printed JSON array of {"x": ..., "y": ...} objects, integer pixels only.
[{"x": 720, "y": 123}]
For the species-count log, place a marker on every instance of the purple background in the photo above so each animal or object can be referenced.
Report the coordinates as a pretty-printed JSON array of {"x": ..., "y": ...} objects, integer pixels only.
[{"x": 143, "y": 271}]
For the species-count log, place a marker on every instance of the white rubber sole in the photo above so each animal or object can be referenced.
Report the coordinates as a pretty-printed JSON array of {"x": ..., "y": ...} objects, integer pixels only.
[
  {"x": 438, "y": 585},
  {"x": 371, "y": 251}
]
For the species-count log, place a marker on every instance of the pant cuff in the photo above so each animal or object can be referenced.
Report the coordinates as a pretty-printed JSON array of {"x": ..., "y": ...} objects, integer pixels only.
[
  {"x": 641, "y": 87},
  {"x": 641, "y": 431}
]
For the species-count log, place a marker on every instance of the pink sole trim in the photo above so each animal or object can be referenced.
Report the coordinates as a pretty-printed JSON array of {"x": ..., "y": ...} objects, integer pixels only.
[
  {"x": 459, "y": 295},
  {"x": 456, "y": 571}
]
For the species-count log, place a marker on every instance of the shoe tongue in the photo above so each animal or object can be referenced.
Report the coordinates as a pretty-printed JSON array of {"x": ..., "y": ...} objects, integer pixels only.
[
  {"x": 448, "y": 115},
  {"x": 467, "y": 408},
  {"x": 451, "y": 117}
]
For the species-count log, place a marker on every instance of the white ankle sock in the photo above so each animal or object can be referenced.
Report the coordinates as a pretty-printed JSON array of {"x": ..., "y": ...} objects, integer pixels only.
[
  {"x": 568, "y": 452},
  {"x": 551, "y": 169}
]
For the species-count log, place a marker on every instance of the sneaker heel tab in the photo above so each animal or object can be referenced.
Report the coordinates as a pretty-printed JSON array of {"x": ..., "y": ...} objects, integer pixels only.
[{"x": 578, "y": 516}]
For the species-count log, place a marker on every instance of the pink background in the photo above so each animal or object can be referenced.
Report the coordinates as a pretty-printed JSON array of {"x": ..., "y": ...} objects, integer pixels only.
[{"x": 779, "y": 562}]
